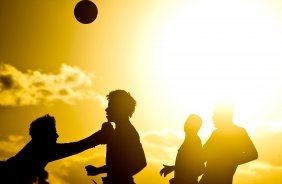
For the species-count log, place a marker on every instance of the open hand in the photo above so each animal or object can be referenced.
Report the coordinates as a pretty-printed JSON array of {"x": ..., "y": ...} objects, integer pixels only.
[
  {"x": 107, "y": 127},
  {"x": 166, "y": 170},
  {"x": 92, "y": 171}
]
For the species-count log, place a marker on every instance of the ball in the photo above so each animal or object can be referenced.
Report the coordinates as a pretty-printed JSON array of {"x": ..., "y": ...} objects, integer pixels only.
[{"x": 85, "y": 11}]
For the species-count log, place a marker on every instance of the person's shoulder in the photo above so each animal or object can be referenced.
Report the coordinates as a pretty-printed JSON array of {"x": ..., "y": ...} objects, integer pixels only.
[
  {"x": 240, "y": 131},
  {"x": 108, "y": 127},
  {"x": 238, "y": 128},
  {"x": 132, "y": 132},
  {"x": 196, "y": 140}
]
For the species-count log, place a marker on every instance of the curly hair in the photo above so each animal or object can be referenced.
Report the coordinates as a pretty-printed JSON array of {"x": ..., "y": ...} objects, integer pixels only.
[
  {"x": 124, "y": 100},
  {"x": 42, "y": 126}
]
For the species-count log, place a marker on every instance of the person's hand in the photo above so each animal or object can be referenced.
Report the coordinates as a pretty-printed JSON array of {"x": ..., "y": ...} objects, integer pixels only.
[
  {"x": 102, "y": 136},
  {"x": 166, "y": 170},
  {"x": 107, "y": 128},
  {"x": 106, "y": 132},
  {"x": 92, "y": 171}
]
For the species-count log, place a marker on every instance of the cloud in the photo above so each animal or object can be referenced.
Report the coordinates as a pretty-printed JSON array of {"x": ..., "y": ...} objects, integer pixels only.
[
  {"x": 258, "y": 172},
  {"x": 161, "y": 147},
  {"x": 70, "y": 85},
  {"x": 268, "y": 143},
  {"x": 11, "y": 146}
]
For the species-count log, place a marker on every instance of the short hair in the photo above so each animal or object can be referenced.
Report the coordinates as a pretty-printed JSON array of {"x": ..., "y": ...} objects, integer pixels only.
[
  {"x": 42, "y": 126},
  {"x": 124, "y": 100}
]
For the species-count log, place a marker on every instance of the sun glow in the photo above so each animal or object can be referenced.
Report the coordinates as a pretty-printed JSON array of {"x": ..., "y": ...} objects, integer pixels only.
[{"x": 219, "y": 50}]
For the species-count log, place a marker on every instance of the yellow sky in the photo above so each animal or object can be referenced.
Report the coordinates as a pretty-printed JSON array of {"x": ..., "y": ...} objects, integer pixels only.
[{"x": 175, "y": 57}]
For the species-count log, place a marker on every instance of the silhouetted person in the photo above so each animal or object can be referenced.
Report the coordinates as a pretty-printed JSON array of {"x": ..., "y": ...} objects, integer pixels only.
[
  {"x": 28, "y": 165},
  {"x": 228, "y": 146},
  {"x": 189, "y": 164},
  {"x": 125, "y": 156}
]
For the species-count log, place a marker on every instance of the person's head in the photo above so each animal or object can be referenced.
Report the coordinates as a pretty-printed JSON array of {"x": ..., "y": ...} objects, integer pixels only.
[
  {"x": 43, "y": 129},
  {"x": 223, "y": 115},
  {"x": 121, "y": 105},
  {"x": 193, "y": 124}
]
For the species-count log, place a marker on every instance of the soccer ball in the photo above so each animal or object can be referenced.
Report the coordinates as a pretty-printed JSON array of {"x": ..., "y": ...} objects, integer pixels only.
[{"x": 85, "y": 11}]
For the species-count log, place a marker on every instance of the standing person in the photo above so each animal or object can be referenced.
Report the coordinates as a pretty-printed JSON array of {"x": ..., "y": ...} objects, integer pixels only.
[
  {"x": 28, "y": 165},
  {"x": 228, "y": 146},
  {"x": 125, "y": 156},
  {"x": 189, "y": 164}
]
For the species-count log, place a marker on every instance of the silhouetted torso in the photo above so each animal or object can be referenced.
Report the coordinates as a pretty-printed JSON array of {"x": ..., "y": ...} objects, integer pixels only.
[
  {"x": 224, "y": 151},
  {"x": 189, "y": 162},
  {"x": 30, "y": 162},
  {"x": 125, "y": 156}
]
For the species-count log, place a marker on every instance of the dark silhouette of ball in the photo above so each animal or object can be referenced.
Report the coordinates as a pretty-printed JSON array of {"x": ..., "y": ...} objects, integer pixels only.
[{"x": 85, "y": 11}]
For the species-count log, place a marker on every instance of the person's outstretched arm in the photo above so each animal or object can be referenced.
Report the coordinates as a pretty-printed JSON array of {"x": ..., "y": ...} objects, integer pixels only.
[{"x": 68, "y": 149}]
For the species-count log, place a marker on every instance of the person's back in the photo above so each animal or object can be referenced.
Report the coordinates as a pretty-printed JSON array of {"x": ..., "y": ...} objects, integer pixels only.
[
  {"x": 223, "y": 154},
  {"x": 123, "y": 151},
  {"x": 189, "y": 164},
  {"x": 228, "y": 147}
]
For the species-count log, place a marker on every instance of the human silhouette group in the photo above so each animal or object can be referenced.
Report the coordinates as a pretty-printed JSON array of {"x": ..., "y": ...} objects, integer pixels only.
[
  {"x": 213, "y": 163},
  {"x": 227, "y": 147}
]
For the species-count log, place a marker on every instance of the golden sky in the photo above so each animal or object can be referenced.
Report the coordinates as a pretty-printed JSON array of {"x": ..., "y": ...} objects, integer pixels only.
[{"x": 175, "y": 57}]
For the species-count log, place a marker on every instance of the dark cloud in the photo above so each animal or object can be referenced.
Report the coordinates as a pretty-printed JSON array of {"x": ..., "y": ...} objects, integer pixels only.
[{"x": 6, "y": 82}]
